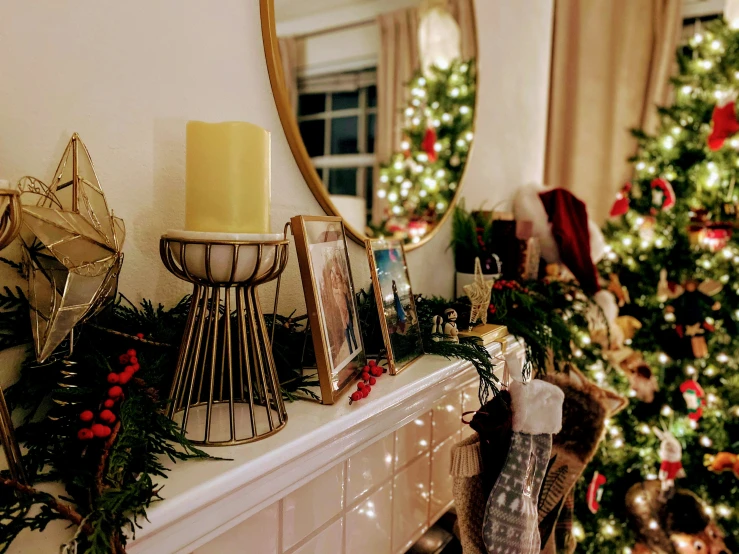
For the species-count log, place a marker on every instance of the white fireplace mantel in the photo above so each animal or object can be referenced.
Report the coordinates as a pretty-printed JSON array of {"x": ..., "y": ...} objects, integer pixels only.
[{"x": 208, "y": 501}]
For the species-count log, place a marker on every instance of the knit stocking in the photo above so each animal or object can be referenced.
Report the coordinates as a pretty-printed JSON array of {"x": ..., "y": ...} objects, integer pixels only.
[
  {"x": 511, "y": 514},
  {"x": 476, "y": 464}
]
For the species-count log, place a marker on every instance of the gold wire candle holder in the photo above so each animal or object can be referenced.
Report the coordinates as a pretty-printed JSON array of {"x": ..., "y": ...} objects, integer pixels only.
[
  {"x": 226, "y": 390},
  {"x": 10, "y": 224}
]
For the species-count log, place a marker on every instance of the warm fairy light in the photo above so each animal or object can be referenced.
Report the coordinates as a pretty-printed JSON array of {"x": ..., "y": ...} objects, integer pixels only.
[
  {"x": 640, "y": 166},
  {"x": 653, "y": 525},
  {"x": 666, "y": 410},
  {"x": 405, "y": 145},
  {"x": 464, "y": 110},
  {"x": 469, "y": 136},
  {"x": 716, "y": 45},
  {"x": 577, "y": 353},
  {"x": 585, "y": 339},
  {"x": 706, "y": 441},
  {"x": 393, "y": 196},
  {"x": 723, "y": 510},
  {"x": 626, "y": 241},
  {"x": 663, "y": 358},
  {"x": 381, "y": 193},
  {"x": 409, "y": 112},
  {"x": 446, "y": 118},
  {"x": 693, "y": 424},
  {"x": 690, "y": 370},
  {"x": 668, "y": 142},
  {"x": 618, "y": 443},
  {"x": 697, "y": 38},
  {"x": 669, "y": 316},
  {"x": 422, "y": 157},
  {"x": 708, "y": 510},
  {"x": 705, "y": 64},
  {"x": 626, "y": 550},
  {"x": 454, "y": 92},
  {"x": 577, "y": 531},
  {"x": 398, "y": 179},
  {"x": 384, "y": 178},
  {"x": 644, "y": 428},
  {"x": 722, "y": 358},
  {"x": 397, "y": 210},
  {"x": 687, "y": 89},
  {"x": 659, "y": 242},
  {"x": 651, "y": 476},
  {"x": 710, "y": 371},
  {"x": 608, "y": 529},
  {"x": 416, "y": 121},
  {"x": 614, "y": 431}
]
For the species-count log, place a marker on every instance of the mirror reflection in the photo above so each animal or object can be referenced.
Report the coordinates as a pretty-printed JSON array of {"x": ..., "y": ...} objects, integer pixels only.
[{"x": 383, "y": 92}]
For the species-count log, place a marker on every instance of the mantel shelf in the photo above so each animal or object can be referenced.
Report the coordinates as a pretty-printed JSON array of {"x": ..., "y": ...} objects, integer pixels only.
[{"x": 204, "y": 499}]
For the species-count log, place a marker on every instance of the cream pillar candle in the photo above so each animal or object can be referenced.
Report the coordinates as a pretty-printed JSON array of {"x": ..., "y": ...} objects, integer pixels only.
[{"x": 227, "y": 178}]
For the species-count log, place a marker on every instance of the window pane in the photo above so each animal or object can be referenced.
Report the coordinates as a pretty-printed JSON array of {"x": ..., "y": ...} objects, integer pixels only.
[
  {"x": 313, "y": 133},
  {"x": 344, "y": 100},
  {"x": 369, "y": 190},
  {"x": 310, "y": 104},
  {"x": 343, "y": 181},
  {"x": 344, "y": 134},
  {"x": 372, "y": 96},
  {"x": 320, "y": 171},
  {"x": 371, "y": 124}
]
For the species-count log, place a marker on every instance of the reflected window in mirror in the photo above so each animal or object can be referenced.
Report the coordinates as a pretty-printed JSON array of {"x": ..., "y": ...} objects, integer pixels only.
[{"x": 337, "y": 118}]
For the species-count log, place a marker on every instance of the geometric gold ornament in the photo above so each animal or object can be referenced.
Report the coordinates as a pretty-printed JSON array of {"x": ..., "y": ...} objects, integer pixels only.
[
  {"x": 479, "y": 293},
  {"x": 72, "y": 251}
]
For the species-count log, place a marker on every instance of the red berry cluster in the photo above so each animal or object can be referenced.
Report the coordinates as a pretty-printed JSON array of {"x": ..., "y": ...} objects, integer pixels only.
[
  {"x": 102, "y": 428},
  {"x": 502, "y": 284},
  {"x": 369, "y": 376}
]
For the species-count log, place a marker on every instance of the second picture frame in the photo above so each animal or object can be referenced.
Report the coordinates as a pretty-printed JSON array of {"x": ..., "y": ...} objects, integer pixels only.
[{"x": 395, "y": 303}]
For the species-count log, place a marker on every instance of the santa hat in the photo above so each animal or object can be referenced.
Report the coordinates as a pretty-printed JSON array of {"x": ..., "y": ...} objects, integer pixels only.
[{"x": 563, "y": 228}]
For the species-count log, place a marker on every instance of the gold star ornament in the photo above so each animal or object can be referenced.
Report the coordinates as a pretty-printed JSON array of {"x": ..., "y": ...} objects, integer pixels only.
[
  {"x": 479, "y": 294},
  {"x": 72, "y": 248}
]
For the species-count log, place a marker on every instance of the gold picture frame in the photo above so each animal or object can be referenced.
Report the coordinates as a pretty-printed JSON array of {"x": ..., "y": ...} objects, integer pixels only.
[
  {"x": 333, "y": 315},
  {"x": 396, "y": 306}
]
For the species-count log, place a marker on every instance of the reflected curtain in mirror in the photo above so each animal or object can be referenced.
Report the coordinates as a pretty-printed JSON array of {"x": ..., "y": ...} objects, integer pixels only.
[{"x": 290, "y": 60}]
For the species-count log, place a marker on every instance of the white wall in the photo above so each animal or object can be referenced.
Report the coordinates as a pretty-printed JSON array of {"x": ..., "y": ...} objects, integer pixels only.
[{"x": 128, "y": 75}]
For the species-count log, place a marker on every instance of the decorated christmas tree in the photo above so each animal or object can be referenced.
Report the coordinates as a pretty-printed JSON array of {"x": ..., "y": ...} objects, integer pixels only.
[
  {"x": 420, "y": 180},
  {"x": 672, "y": 260}
]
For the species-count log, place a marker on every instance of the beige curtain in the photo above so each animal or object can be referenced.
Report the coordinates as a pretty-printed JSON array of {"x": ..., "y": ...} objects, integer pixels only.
[
  {"x": 611, "y": 63},
  {"x": 289, "y": 56}
]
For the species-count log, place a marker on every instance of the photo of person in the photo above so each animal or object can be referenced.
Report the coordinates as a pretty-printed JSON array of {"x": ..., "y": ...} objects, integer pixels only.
[
  {"x": 338, "y": 315},
  {"x": 395, "y": 300},
  {"x": 323, "y": 258}
]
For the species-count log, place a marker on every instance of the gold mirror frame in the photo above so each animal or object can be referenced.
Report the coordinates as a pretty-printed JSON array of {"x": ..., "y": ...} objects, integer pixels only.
[{"x": 297, "y": 146}]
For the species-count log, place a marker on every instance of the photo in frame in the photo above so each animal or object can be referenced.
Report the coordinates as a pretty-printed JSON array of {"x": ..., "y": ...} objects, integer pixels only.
[
  {"x": 323, "y": 258},
  {"x": 395, "y": 303}
]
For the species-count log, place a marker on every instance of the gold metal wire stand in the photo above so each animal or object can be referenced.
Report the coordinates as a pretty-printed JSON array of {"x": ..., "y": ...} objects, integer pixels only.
[
  {"x": 226, "y": 390},
  {"x": 10, "y": 224}
]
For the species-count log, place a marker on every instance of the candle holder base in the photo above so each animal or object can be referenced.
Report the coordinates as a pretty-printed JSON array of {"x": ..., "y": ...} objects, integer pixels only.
[{"x": 225, "y": 391}]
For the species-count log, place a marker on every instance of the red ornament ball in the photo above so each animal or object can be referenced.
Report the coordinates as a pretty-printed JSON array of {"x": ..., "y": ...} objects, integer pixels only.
[
  {"x": 373, "y": 363},
  {"x": 356, "y": 396},
  {"x": 377, "y": 371},
  {"x": 113, "y": 378},
  {"x": 365, "y": 376},
  {"x": 100, "y": 431},
  {"x": 373, "y": 380},
  {"x": 133, "y": 360},
  {"x": 366, "y": 368},
  {"x": 360, "y": 386},
  {"x": 131, "y": 352},
  {"x": 106, "y": 416},
  {"x": 364, "y": 392},
  {"x": 109, "y": 403},
  {"x": 368, "y": 389},
  {"x": 124, "y": 377},
  {"x": 123, "y": 359},
  {"x": 115, "y": 392},
  {"x": 87, "y": 415},
  {"x": 135, "y": 367},
  {"x": 84, "y": 434},
  {"x": 140, "y": 335}
]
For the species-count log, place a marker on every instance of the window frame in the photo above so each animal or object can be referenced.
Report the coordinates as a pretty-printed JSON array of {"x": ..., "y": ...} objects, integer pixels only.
[{"x": 360, "y": 160}]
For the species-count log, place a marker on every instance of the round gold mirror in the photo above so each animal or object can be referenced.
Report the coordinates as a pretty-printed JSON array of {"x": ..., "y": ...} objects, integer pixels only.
[{"x": 377, "y": 99}]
